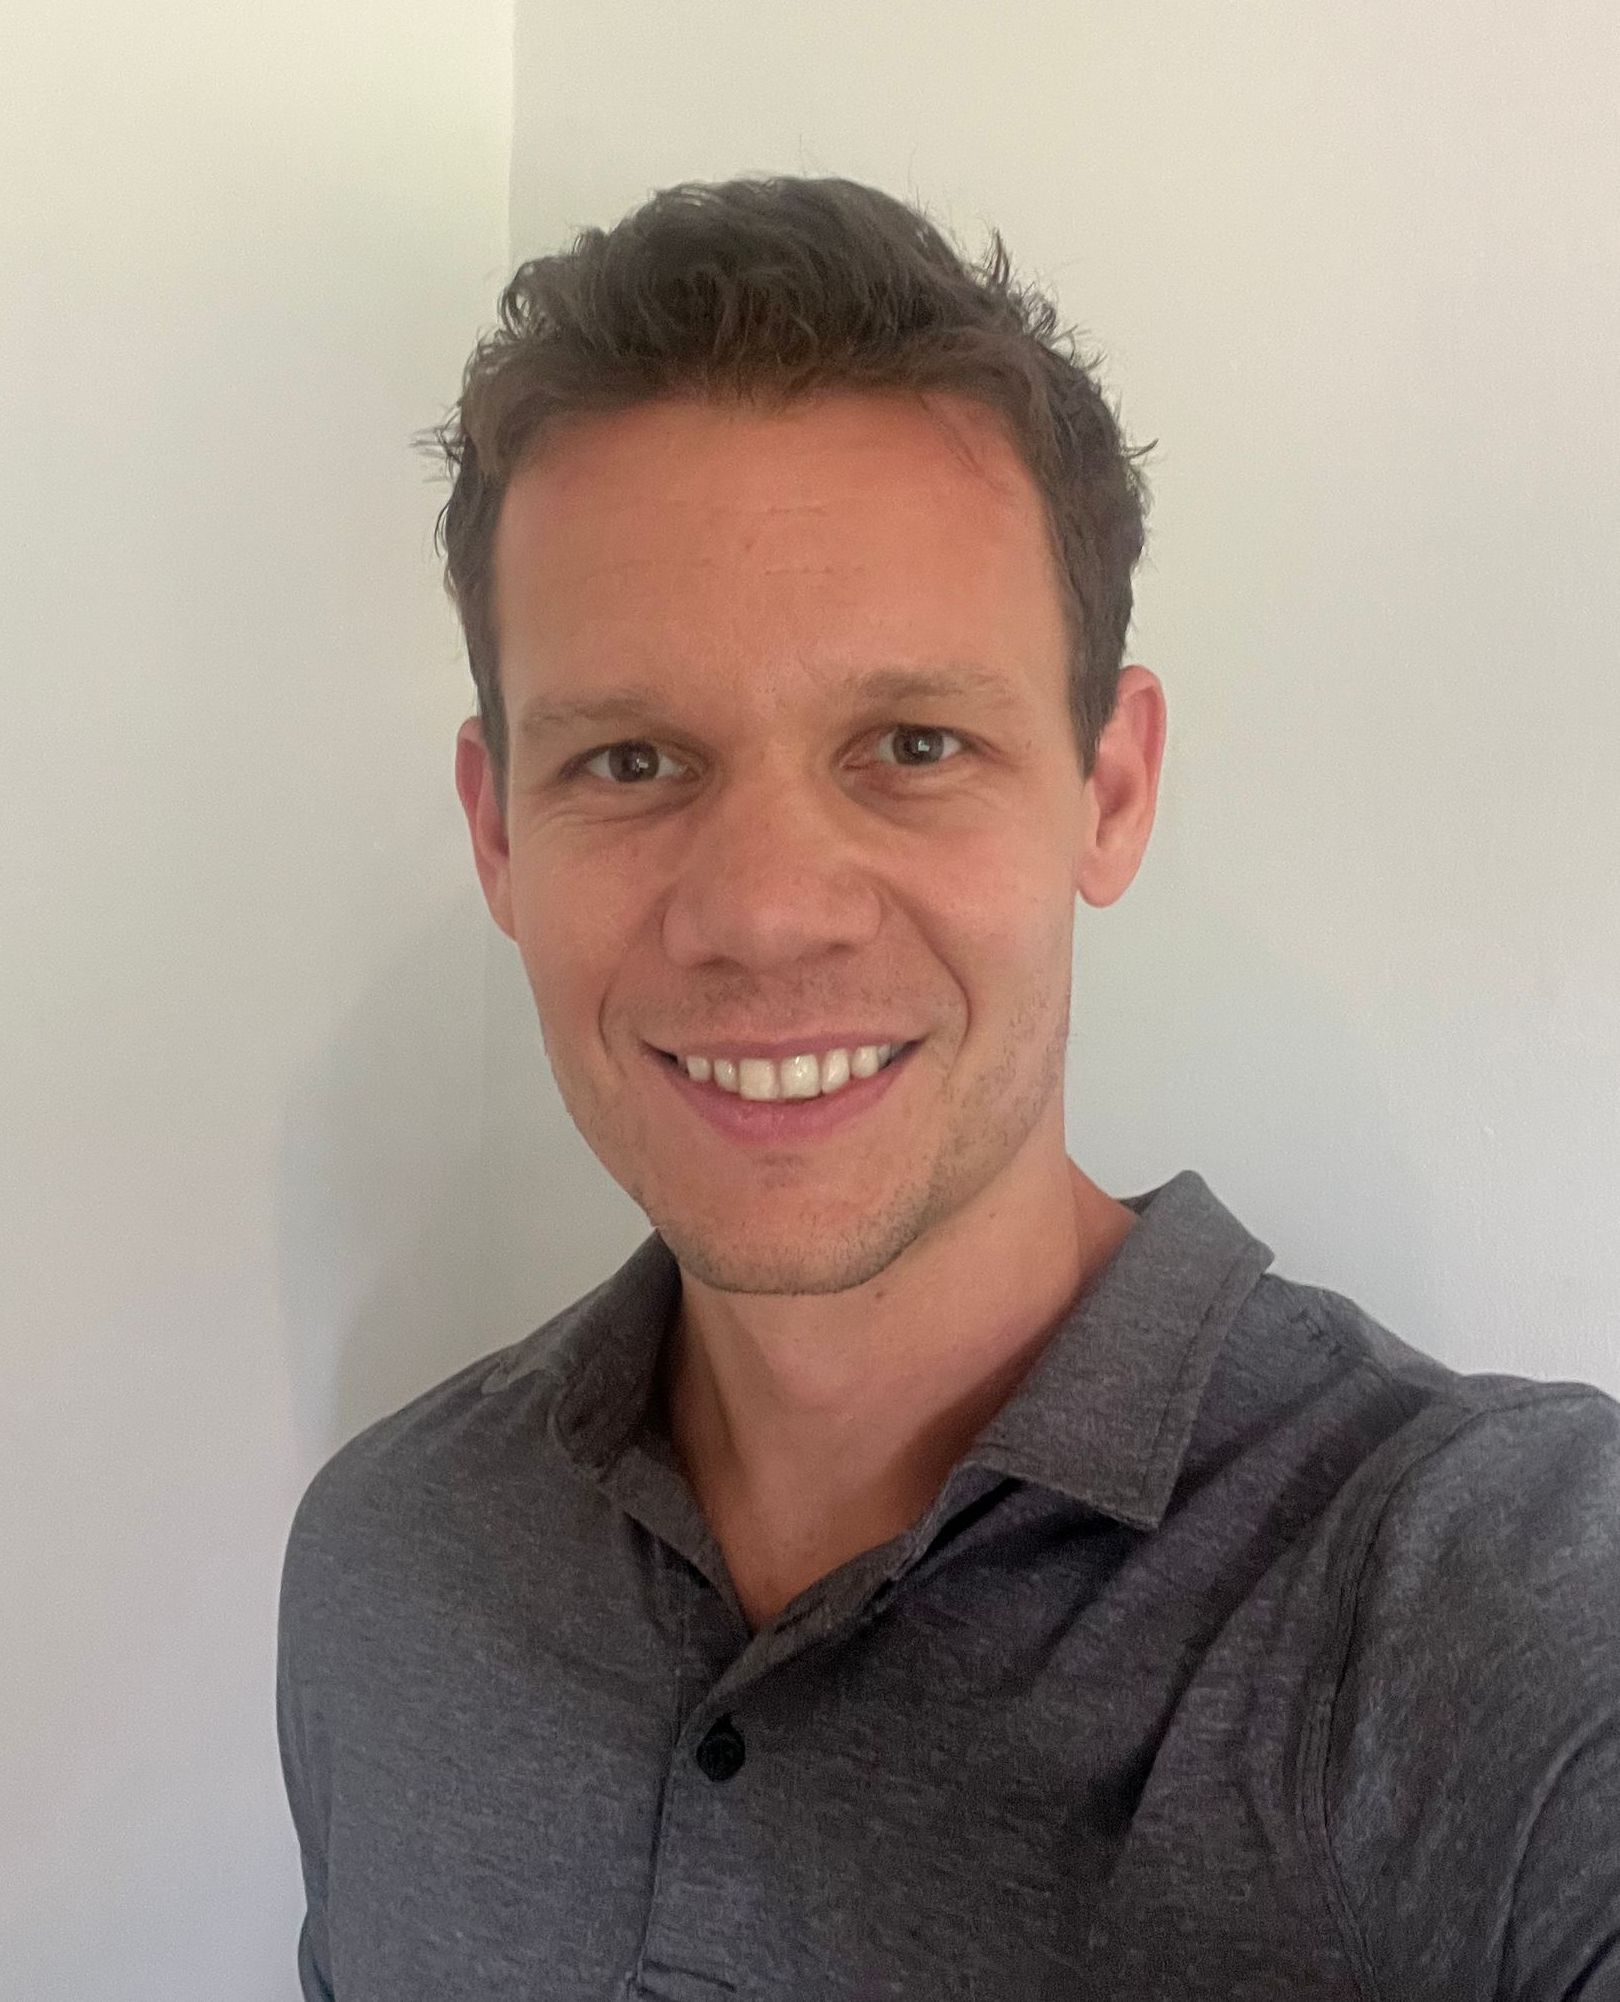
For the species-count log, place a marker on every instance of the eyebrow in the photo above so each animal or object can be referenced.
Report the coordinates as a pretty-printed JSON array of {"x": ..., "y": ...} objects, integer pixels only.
[{"x": 541, "y": 718}]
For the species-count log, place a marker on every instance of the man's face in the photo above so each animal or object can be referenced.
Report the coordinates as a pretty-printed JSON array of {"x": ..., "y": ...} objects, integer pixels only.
[{"x": 775, "y": 854}]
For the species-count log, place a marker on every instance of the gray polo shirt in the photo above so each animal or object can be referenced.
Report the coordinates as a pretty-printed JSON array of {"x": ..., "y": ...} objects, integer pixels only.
[{"x": 1249, "y": 1652}]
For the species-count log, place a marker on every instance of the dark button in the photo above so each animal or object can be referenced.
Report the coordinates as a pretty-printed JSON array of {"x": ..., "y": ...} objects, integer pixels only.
[{"x": 722, "y": 1750}]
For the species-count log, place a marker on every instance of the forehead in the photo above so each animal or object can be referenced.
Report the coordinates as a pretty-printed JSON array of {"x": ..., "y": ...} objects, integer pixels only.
[{"x": 865, "y": 519}]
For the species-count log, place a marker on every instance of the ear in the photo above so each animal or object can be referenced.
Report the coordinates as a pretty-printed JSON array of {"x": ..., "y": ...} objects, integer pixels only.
[
  {"x": 1123, "y": 789},
  {"x": 486, "y": 821}
]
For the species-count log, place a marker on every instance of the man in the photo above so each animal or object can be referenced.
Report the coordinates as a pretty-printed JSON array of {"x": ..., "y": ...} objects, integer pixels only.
[{"x": 916, "y": 1573}]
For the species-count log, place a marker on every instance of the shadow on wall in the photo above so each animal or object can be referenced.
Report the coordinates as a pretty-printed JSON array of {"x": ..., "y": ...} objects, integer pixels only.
[{"x": 434, "y": 1199}]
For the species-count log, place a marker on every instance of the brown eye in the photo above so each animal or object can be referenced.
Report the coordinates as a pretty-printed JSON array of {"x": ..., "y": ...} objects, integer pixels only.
[
  {"x": 918, "y": 744},
  {"x": 628, "y": 763}
]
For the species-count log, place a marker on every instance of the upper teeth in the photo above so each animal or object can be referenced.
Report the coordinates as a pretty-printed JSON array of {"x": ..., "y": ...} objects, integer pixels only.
[{"x": 793, "y": 1077}]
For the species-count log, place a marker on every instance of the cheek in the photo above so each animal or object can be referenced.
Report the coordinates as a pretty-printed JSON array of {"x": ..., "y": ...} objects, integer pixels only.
[
  {"x": 1004, "y": 900},
  {"x": 566, "y": 924}
]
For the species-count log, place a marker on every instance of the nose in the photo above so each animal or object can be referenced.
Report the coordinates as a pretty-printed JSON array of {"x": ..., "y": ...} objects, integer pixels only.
[{"x": 776, "y": 870}]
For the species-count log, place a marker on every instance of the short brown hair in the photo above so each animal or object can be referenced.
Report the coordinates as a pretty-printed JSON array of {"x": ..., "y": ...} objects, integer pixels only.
[{"x": 766, "y": 289}]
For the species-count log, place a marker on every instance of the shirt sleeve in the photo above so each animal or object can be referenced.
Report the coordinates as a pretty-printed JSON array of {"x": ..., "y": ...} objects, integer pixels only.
[
  {"x": 1472, "y": 1769},
  {"x": 308, "y": 1791}
]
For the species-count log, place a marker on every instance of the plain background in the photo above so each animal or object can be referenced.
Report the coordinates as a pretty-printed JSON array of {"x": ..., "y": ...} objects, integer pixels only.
[{"x": 278, "y": 1146}]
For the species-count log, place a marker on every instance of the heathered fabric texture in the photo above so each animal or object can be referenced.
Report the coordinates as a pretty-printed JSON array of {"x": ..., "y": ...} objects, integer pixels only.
[{"x": 1249, "y": 1653}]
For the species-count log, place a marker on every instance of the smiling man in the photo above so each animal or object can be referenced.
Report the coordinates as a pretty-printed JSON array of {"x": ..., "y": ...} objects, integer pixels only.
[
  {"x": 803, "y": 969},
  {"x": 916, "y": 1573}
]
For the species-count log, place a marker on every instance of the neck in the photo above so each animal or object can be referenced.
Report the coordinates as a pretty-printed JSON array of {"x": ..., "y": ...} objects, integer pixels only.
[{"x": 793, "y": 1411}]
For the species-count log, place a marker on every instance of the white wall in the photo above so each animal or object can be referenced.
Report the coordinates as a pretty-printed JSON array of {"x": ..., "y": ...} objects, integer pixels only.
[
  {"x": 1357, "y": 267},
  {"x": 242, "y": 254}
]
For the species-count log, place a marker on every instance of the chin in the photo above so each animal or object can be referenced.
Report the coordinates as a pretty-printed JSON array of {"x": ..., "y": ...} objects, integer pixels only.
[{"x": 744, "y": 1262}]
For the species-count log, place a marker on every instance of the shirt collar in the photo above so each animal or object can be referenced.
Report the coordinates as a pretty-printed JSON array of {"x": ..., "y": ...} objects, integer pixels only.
[{"x": 1104, "y": 1415}]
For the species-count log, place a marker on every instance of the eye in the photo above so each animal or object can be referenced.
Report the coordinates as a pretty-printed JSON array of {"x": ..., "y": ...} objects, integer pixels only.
[
  {"x": 918, "y": 745},
  {"x": 629, "y": 762}
]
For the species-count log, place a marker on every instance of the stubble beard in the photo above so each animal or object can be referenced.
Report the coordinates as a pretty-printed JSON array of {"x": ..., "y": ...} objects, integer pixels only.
[{"x": 983, "y": 1133}]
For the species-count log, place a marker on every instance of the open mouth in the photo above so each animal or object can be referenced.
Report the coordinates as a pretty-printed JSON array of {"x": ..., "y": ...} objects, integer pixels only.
[
  {"x": 789, "y": 1080},
  {"x": 756, "y": 1103}
]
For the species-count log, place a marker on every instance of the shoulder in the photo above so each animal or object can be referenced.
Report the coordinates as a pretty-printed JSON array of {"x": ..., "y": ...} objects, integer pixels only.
[
  {"x": 1433, "y": 1434},
  {"x": 1496, "y": 1538},
  {"x": 411, "y": 1524},
  {"x": 412, "y": 1493},
  {"x": 1482, "y": 1524},
  {"x": 1515, "y": 1465},
  {"x": 1313, "y": 1331},
  {"x": 1474, "y": 1674},
  {"x": 1461, "y": 1501},
  {"x": 363, "y": 1474},
  {"x": 1495, "y": 1545},
  {"x": 368, "y": 1498}
]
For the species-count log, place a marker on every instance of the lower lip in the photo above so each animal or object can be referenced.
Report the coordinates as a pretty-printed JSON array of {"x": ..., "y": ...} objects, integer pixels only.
[{"x": 780, "y": 1122}]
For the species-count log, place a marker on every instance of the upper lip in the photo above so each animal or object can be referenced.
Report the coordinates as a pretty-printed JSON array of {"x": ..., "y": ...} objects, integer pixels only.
[{"x": 791, "y": 1046}]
